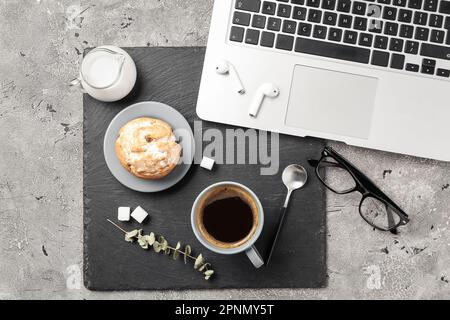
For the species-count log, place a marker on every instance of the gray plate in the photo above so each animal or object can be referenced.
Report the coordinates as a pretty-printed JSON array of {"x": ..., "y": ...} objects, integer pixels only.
[{"x": 181, "y": 129}]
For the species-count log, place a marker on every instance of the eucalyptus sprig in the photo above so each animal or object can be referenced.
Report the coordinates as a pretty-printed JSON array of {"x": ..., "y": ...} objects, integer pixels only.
[{"x": 161, "y": 245}]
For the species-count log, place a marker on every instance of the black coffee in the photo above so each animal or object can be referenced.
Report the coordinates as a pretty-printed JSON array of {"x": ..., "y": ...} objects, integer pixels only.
[{"x": 228, "y": 220}]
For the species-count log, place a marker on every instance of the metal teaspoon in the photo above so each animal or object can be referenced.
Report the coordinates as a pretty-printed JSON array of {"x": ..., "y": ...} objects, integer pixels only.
[{"x": 294, "y": 178}]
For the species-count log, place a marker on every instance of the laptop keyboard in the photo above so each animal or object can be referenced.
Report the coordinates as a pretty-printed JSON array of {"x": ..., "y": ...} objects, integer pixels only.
[{"x": 408, "y": 35}]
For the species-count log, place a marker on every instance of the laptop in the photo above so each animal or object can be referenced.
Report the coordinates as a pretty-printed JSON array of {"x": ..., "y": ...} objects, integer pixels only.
[{"x": 373, "y": 74}]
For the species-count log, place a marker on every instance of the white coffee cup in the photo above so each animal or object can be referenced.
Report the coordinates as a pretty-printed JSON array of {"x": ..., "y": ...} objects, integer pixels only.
[
  {"x": 247, "y": 243},
  {"x": 107, "y": 73}
]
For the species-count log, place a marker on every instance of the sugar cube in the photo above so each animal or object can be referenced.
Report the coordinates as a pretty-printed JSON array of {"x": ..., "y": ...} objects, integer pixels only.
[
  {"x": 123, "y": 213},
  {"x": 139, "y": 214},
  {"x": 207, "y": 163}
]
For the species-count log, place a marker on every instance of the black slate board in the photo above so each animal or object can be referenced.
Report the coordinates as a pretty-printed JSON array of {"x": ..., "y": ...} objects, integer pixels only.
[{"x": 172, "y": 76}]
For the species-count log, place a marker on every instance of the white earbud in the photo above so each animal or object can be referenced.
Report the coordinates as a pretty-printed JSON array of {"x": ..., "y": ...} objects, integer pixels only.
[
  {"x": 224, "y": 67},
  {"x": 266, "y": 90}
]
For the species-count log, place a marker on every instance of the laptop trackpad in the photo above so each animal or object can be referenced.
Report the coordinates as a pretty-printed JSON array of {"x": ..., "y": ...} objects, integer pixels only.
[{"x": 331, "y": 102}]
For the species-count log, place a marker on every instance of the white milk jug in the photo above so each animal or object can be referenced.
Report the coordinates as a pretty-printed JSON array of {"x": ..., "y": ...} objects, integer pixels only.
[{"x": 107, "y": 73}]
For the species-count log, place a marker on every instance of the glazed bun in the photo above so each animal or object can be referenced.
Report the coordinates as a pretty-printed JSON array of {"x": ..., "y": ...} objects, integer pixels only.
[{"x": 147, "y": 148}]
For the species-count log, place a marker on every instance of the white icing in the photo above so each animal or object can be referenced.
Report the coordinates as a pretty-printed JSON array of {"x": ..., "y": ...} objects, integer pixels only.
[{"x": 149, "y": 146}]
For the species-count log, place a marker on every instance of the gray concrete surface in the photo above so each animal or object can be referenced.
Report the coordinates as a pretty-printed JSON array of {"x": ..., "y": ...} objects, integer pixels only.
[{"x": 41, "y": 43}]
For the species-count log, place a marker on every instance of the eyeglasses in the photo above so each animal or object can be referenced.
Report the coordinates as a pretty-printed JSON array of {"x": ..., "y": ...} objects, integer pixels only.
[{"x": 341, "y": 177}]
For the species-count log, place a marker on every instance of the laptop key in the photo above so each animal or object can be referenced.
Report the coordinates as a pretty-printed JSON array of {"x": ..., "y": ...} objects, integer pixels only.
[
  {"x": 304, "y": 29},
  {"x": 365, "y": 39},
  {"x": 345, "y": 21},
  {"x": 284, "y": 11},
  {"x": 381, "y": 42},
  {"x": 299, "y": 13},
  {"x": 389, "y": 13},
  {"x": 259, "y": 21},
  {"x": 359, "y": 8},
  {"x": 437, "y": 36},
  {"x": 332, "y": 50},
  {"x": 427, "y": 69},
  {"x": 289, "y": 26},
  {"x": 241, "y": 18},
  {"x": 400, "y": 3},
  {"x": 380, "y": 58},
  {"x": 444, "y": 7},
  {"x": 391, "y": 29},
  {"x": 443, "y": 73},
  {"x": 428, "y": 66},
  {"x": 252, "y": 36},
  {"x": 436, "y": 21},
  {"x": 330, "y": 18},
  {"x": 344, "y": 5},
  {"x": 420, "y": 18},
  {"x": 397, "y": 61},
  {"x": 237, "y": 34},
  {"x": 267, "y": 39},
  {"x": 248, "y": 5},
  {"x": 422, "y": 34},
  {"x": 274, "y": 24},
  {"x": 320, "y": 32},
  {"x": 405, "y": 15},
  {"x": 350, "y": 36},
  {"x": 415, "y": 4},
  {"x": 406, "y": 31},
  {"x": 396, "y": 44},
  {"x": 430, "y": 5},
  {"x": 374, "y": 11},
  {"x": 269, "y": 7},
  {"x": 429, "y": 62},
  {"x": 328, "y": 4},
  {"x": 375, "y": 26},
  {"x": 335, "y": 34},
  {"x": 285, "y": 42},
  {"x": 360, "y": 24},
  {"x": 412, "y": 67},
  {"x": 313, "y": 3},
  {"x": 411, "y": 47},
  {"x": 314, "y": 15}
]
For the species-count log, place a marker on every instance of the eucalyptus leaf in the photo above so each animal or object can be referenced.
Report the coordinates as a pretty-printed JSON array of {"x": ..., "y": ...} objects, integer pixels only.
[
  {"x": 157, "y": 246},
  {"x": 133, "y": 233},
  {"x": 205, "y": 266},
  {"x": 142, "y": 242},
  {"x": 163, "y": 242},
  {"x": 199, "y": 261},
  {"x": 187, "y": 252},
  {"x": 176, "y": 252},
  {"x": 208, "y": 272},
  {"x": 129, "y": 236},
  {"x": 150, "y": 238}
]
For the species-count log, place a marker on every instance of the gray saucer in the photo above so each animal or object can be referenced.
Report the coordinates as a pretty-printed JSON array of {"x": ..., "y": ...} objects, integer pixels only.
[{"x": 181, "y": 129}]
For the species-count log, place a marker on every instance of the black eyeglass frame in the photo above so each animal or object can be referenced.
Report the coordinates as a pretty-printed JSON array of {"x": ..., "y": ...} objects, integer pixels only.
[{"x": 363, "y": 185}]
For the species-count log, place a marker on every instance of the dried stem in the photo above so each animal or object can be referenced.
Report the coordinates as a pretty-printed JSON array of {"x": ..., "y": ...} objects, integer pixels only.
[
  {"x": 115, "y": 225},
  {"x": 169, "y": 247}
]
